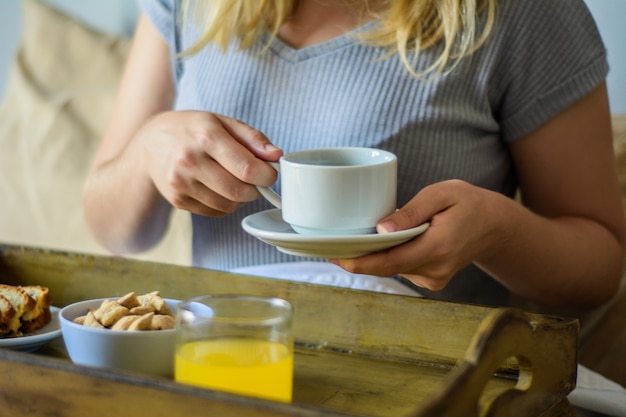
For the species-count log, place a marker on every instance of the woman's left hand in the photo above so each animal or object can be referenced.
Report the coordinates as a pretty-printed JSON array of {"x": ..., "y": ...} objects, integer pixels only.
[
  {"x": 563, "y": 247},
  {"x": 463, "y": 226}
]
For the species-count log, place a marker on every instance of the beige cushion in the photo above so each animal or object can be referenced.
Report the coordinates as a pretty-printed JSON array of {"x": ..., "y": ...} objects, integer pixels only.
[{"x": 60, "y": 92}]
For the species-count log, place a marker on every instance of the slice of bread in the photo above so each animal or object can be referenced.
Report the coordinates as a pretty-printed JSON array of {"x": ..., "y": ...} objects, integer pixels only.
[
  {"x": 41, "y": 295},
  {"x": 37, "y": 323},
  {"x": 31, "y": 309},
  {"x": 7, "y": 314},
  {"x": 21, "y": 301}
]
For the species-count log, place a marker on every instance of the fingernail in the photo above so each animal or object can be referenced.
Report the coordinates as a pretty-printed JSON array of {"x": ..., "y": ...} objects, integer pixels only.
[
  {"x": 387, "y": 226},
  {"x": 270, "y": 147}
]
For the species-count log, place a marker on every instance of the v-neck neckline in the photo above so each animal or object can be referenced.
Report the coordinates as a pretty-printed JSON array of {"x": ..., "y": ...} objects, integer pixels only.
[{"x": 289, "y": 53}]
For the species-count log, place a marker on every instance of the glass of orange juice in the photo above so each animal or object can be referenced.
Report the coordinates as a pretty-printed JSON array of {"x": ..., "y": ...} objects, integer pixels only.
[{"x": 236, "y": 343}]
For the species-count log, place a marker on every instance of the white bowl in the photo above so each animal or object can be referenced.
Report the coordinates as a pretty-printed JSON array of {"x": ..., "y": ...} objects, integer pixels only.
[{"x": 150, "y": 351}]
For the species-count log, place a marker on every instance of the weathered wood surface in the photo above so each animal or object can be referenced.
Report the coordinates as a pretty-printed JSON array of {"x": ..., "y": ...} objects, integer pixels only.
[{"x": 359, "y": 353}]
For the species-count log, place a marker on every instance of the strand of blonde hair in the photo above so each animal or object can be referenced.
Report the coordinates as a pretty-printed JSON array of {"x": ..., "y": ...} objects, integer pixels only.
[{"x": 407, "y": 27}]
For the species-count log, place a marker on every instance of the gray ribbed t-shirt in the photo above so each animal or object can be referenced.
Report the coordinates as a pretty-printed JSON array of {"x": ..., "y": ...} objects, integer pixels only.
[{"x": 542, "y": 56}]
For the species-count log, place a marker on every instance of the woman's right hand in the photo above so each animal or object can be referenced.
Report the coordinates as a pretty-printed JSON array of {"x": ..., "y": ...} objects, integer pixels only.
[
  {"x": 206, "y": 163},
  {"x": 152, "y": 158}
]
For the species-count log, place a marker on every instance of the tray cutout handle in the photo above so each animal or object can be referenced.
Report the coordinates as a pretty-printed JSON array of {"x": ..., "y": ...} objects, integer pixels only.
[{"x": 546, "y": 357}]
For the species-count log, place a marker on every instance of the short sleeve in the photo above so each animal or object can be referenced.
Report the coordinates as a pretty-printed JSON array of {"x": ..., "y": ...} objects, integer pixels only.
[
  {"x": 553, "y": 56},
  {"x": 161, "y": 14}
]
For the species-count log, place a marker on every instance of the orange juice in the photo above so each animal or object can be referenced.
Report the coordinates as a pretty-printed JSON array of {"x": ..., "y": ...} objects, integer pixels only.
[{"x": 243, "y": 366}]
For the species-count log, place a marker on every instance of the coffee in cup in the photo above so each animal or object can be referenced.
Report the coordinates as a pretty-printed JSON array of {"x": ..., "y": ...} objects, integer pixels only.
[{"x": 335, "y": 191}]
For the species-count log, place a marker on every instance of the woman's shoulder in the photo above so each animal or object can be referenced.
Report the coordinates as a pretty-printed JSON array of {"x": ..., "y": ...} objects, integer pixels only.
[
  {"x": 525, "y": 17},
  {"x": 159, "y": 12},
  {"x": 550, "y": 54},
  {"x": 165, "y": 5}
]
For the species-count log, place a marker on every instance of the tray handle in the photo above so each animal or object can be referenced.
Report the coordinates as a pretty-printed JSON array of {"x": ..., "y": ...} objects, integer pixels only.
[{"x": 545, "y": 353}]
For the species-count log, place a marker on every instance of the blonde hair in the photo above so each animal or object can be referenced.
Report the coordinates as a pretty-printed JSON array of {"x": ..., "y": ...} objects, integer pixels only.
[{"x": 407, "y": 27}]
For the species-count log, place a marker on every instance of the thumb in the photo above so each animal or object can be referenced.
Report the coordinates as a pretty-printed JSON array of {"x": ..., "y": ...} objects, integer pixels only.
[
  {"x": 402, "y": 219},
  {"x": 416, "y": 212},
  {"x": 427, "y": 203}
]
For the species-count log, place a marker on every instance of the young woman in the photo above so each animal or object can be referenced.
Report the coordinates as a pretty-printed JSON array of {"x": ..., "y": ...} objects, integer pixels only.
[{"x": 477, "y": 98}]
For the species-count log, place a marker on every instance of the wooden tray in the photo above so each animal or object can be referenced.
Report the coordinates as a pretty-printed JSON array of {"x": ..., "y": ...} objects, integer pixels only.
[{"x": 358, "y": 353}]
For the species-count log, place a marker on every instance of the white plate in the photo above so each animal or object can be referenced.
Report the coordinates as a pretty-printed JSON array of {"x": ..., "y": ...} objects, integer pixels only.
[
  {"x": 269, "y": 227},
  {"x": 35, "y": 340}
]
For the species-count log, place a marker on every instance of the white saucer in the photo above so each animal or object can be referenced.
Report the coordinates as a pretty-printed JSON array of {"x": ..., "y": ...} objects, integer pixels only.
[
  {"x": 269, "y": 227},
  {"x": 33, "y": 341}
]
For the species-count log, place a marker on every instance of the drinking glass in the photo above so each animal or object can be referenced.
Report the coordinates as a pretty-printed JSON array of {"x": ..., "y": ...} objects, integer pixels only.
[{"x": 236, "y": 343}]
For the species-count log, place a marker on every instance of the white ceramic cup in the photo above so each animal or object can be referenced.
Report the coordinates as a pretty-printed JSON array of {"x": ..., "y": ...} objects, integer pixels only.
[{"x": 335, "y": 191}]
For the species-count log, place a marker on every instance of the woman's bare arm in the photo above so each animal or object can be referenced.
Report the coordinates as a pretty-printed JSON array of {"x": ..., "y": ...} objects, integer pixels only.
[
  {"x": 564, "y": 248},
  {"x": 123, "y": 208},
  {"x": 152, "y": 159},
  {"x": 572, "y": 252}
]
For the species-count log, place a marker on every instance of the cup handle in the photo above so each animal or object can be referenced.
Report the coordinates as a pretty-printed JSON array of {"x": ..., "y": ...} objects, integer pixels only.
[{"x": 269, "y": 194}]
